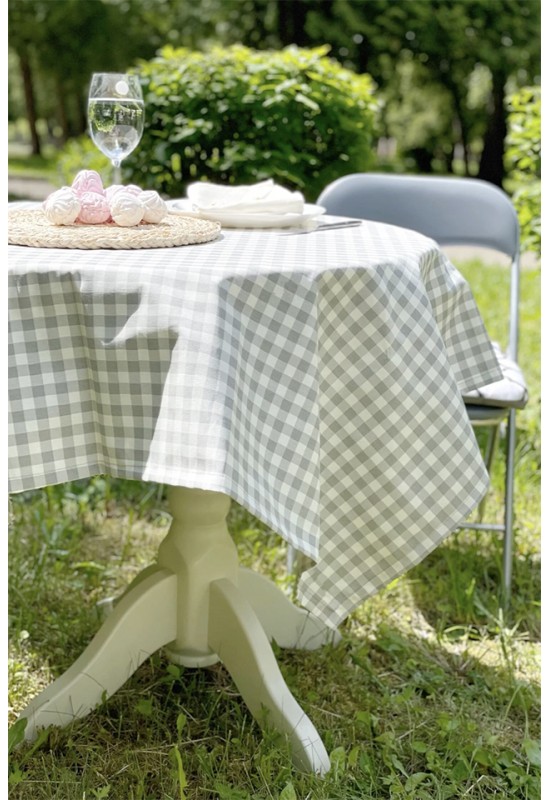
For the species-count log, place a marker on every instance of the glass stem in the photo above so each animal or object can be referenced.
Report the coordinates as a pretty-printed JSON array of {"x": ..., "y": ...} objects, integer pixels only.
[{"x": 116, "y": 172}]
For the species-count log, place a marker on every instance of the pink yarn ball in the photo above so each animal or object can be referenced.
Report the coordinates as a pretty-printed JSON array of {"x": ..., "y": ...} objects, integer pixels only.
[
  {"x": 94, "y": 209},
  {"x": 87, "y": 180}
]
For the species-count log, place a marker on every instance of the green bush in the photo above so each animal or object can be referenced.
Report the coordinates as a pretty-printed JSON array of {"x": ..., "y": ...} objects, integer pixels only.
[
  {"x": 524, "y": 162},
  {"x": 81, "y": 153},
  {"x": 236, "y": 115}
]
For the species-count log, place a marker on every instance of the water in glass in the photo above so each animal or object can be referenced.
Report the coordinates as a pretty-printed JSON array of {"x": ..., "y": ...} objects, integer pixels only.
[{"x": 116, "y": 115}]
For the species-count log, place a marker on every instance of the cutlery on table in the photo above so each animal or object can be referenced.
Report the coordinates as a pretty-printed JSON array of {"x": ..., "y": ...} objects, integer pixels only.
[{"x": 325, "y": 226}]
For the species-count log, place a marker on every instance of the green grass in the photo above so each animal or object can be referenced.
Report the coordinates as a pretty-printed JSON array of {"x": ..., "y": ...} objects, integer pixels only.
[
  {"x": 432, "y": 693},
  {"x": 42, "y": 167}
]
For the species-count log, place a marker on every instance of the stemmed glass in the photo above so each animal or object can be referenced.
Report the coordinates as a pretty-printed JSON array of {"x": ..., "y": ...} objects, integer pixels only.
[{"x": 116, "y": 115}]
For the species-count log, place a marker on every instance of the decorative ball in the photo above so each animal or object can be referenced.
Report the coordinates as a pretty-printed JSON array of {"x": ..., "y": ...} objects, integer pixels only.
[
  {"x": 155, "y": 209},
  {"x": 94, "y": 209},
  {"x": 87, "y": 180},
  {"x": 133, "y": 189},
  {"x": 110, "y": 191},
  {"x": 61, "y": 207},
  {"x": 126, "y": 209}
]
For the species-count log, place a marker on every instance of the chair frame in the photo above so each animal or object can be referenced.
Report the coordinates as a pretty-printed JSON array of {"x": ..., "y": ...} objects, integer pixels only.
[{"x": 365, "y": 195}]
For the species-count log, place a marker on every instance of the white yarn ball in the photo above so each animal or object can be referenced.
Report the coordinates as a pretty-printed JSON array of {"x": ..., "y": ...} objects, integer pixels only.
[
  {"x": 110, "y": 191},
  {"x": 155, "y": 207},
  {"x": 126, "y": 209},
  {"x": 61, "y": 207}
]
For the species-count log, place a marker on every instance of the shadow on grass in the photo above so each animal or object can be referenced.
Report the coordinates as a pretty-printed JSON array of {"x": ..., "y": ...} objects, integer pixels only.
[
  {"x": 459, "y": 586},
  {"x": 440, "y": 708},
  {"x": 388, "y": 706}
]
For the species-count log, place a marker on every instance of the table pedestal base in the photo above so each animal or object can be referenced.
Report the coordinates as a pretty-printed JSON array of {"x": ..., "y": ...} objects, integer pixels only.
[{"x": 198, "y": 604}]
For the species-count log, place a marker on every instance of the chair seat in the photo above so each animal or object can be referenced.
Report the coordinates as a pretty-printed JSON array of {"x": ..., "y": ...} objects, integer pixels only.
[
  {"x": 486, "y": 415},
  {"x": 510, "y": 392}
]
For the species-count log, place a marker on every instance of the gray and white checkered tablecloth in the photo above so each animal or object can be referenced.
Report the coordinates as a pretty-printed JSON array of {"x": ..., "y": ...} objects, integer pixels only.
[{"x": 314, "y": 378}]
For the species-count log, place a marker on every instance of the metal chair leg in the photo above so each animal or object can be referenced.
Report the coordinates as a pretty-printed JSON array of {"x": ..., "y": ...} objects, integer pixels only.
[
  {"x": 509, "y": 507},
  {"x": 491, "y": 447},
  {"x": 489, "y": 456}
]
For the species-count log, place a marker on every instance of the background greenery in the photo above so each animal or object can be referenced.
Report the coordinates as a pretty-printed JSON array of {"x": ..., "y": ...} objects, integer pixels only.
[
  {"x": 442, "y": 68},
  {"x": 524, "y": 157},
  {"x": 403, "y": 85}
]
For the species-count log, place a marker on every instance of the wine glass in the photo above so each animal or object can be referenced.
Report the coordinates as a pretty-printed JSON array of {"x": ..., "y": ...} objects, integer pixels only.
[{"x": 116, "y": 115}]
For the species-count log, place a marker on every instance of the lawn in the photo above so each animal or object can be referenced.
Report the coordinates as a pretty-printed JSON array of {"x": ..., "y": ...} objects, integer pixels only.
[
  {"x": 22, "y": 164},
  {"x": 433, "y": 692}
]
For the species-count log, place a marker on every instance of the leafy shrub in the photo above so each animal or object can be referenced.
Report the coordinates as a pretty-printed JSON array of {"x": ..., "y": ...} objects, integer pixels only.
[
  {"x": 81, "y": 153},
  {"x": 524, "y": 160},
  {"x": 236, "y": 115}
]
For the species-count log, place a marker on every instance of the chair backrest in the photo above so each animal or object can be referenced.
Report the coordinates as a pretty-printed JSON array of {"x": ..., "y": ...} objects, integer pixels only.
[{"x": 452, "y": 211}]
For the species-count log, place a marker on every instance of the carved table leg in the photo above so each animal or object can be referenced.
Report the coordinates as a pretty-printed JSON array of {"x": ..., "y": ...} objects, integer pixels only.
[
  {"x": 220, "y": 621},
  {"x": 285, "y": 623},
  {"x": 198, "y": 604},
  {"x": 143, "y": 621},
  {"x": 236, "y": 635}
]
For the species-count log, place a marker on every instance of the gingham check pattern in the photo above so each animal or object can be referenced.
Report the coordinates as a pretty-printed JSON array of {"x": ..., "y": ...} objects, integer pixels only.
[{"x": 315, "y": 378}]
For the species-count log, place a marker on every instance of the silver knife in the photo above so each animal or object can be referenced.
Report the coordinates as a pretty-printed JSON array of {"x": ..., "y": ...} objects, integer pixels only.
[{"x": 328, "y": 226}]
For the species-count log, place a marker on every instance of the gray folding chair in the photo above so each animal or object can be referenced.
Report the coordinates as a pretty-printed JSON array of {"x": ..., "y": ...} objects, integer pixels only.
[{"x": 456, "y": 211}]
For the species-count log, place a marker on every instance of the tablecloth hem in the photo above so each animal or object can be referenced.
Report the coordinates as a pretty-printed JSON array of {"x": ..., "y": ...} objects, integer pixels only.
[
  {"x": 191, "y": 480},
  {"x": 483, "y": 378},
  {"x": 334, "y": 610}
]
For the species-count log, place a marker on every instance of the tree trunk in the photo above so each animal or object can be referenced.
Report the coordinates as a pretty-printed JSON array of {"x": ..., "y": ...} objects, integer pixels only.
[
  {"x": 30, "y": 104},
  {"x": 459, "y": 127},
  {"x": 62, "y": 110},
  {"x": 82, "y": 113},
  {"x": 292, "y": 16},
  {"x": 423, "y": 159},
  {"x": 491, "y": 163}
]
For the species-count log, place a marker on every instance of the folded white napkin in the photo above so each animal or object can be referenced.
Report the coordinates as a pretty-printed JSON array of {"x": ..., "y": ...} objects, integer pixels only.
[{"x": 265, "y": 197}]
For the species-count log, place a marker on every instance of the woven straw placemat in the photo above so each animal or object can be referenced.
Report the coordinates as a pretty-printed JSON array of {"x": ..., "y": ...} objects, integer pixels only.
[{"x": 30, "y": 227}]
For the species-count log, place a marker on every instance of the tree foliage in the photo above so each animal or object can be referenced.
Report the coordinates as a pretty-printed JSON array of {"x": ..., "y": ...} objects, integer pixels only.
[
  {"x": 445, "y": 41},
  {"x": 524, "y": 154},
  {"x": 59, "y": 44},
  {"x": 426, "y": 57}
]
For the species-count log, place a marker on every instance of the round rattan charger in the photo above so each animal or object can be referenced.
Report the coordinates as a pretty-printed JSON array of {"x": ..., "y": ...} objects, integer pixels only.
[{"x": 31, "y": 228}]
